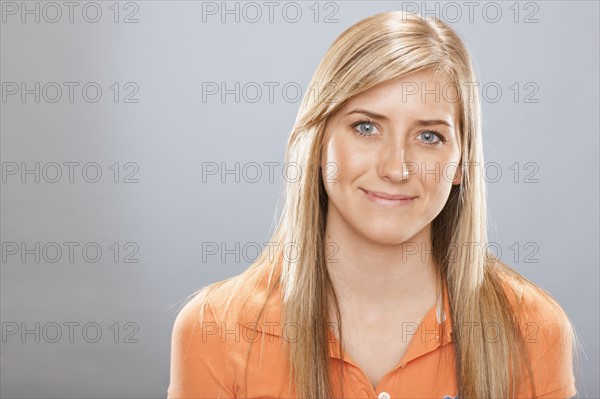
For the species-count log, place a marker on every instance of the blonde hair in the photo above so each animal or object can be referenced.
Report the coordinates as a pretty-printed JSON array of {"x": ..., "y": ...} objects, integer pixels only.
[{"x": 377, "y": 49}]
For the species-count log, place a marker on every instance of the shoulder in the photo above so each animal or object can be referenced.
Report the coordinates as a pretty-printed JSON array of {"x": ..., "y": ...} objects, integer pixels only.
[
  {"x": 532, "y": 305},
  {"x": 538, "y": 312},
  {"x": 548, "y": 336},
  {"x": 198, "y": 355},
  {"x": 545, "y": 323},
  {"x": 194, "y": 310},
  {"x": 192, "y": 322},
  {"x": 208, "y": 305},
  {"x": 242, "y": 300}
]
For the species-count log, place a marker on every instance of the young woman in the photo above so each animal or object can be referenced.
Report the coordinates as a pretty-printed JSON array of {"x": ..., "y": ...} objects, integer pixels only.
[{"x": 377, "y": 283}]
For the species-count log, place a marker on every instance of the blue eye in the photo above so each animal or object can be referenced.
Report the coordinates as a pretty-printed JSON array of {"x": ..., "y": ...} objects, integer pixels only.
[
  {"x": 367, "y": 129},
  {"x": 431, "y": 134}
]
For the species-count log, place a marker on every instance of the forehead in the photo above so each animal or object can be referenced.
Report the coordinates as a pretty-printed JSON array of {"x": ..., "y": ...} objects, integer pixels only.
[{"x": 417, "y": 93}]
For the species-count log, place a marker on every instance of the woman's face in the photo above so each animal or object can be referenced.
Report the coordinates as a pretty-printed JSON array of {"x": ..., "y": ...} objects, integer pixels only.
[{"x": 389, "y": 141}]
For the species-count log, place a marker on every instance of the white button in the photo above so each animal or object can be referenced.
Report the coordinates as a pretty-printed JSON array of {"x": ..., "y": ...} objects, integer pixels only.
[{"x": 384, "y": 395}]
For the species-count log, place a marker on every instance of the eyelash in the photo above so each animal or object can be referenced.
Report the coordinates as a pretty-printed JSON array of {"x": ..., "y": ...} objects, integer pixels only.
[{"x": 438, "y": 134}]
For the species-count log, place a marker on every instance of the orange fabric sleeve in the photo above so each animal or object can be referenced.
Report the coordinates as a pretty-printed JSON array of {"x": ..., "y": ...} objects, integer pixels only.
[
  {"x": 198, "y": 356},
  {"x": 553, "y": 355},
  {"x": 556, "y": 366}
]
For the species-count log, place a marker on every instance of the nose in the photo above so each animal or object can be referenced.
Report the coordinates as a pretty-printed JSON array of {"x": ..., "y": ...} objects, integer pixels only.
[{"x": 393, "y": 165}]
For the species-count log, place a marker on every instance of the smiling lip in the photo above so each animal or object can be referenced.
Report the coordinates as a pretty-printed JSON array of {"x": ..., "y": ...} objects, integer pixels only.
[
  {"x": 397, "y": 200},
  {"x": 386, "y": 196}
]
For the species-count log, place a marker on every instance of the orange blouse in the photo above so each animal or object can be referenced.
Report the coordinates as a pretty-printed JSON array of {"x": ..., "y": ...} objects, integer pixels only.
[{"x": 209, "y": 361}]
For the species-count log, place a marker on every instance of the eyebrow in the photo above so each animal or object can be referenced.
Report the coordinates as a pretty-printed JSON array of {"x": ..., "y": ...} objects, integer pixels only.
[{"x": 420, "y": 122}]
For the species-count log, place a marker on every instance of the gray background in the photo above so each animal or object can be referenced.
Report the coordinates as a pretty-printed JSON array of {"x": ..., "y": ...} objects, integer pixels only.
[{"x": 171, "y": 131}]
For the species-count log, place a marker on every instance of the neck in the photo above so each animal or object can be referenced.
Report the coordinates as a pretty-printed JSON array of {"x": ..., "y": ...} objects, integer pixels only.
[{"x": 379, "y": 279}]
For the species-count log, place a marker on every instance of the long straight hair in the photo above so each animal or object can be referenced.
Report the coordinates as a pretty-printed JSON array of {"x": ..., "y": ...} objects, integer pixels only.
[{"x": 375, "y": 50}]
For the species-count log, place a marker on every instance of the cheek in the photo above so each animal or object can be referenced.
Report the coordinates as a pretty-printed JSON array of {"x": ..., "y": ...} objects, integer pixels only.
[
  {"x": 341, "y": 163},
  {"x": 436, "y": 178},
  {"x": 437, "y": 167}
]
